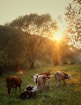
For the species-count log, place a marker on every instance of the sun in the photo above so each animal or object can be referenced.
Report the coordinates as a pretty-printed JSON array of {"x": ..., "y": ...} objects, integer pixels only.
[{"x": 58, "y": 36}]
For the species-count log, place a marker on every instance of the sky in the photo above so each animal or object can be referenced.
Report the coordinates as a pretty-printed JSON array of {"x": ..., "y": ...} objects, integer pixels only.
[{"x": 11, "y": 9}]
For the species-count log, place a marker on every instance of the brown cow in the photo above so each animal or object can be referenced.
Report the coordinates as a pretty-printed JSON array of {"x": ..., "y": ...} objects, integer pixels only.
[
  {"x": 13, "y": 82},
  {"x": 60, "y": 75}
]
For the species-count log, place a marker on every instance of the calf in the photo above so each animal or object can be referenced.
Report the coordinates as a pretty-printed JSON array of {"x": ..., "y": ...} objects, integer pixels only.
[
  {"x": 60, "y": 75},
  {"x": 13, "y": 82},
  {"x": 27, "y": 94}
]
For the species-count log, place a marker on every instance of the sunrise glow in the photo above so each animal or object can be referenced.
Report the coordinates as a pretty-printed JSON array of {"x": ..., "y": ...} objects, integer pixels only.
[{"x": 58, "y": 36}]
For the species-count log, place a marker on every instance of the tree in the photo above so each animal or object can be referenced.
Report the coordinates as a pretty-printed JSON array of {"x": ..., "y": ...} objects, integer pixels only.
[
  {"x": 12, "y": 49},
  {"x": 36, "y": 28},
  {"x": 73, "y": 17}
]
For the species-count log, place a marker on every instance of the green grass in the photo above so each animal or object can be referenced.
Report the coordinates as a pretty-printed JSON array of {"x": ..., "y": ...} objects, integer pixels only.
[{"x": 69, "y": 94}]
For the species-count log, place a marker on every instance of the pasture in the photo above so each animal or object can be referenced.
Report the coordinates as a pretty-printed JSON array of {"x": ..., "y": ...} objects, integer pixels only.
[{"x": 69, "y": 94}]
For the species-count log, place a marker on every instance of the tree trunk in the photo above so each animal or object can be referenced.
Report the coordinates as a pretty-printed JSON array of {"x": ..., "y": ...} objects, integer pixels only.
[{"x": 32, "y": 65}]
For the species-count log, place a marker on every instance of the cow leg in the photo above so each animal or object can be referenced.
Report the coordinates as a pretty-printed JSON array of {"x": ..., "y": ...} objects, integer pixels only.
[
  {"x": 38, "y": 87},
  {"x": 48, "y": 84},
  {"x": 15, "y": 89},
  {"x": 64, "y": 82},
  {"x": 19, "y": 88},
  {"x": 57, "y": 83},
  {"x": 9, "y": 89},
  {"x": 43, "y": 87}
]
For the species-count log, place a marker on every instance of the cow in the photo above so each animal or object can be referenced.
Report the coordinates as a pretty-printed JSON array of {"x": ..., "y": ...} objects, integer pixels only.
[
  {"x": 31, "y": 88},
  {"x": 40, "y": 81},
  {"x": 29, "y": 92},
  {"x": 13, "y": 82},
  {"x": 60, "y": 75},
  {"x": 27, "y": 95},
  {"x": 45, "y": 77},
  {"x": 47, "y": 74}
]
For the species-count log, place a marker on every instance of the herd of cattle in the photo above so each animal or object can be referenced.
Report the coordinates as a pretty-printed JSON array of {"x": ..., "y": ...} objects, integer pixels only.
[{"x": 42, "y": 80}]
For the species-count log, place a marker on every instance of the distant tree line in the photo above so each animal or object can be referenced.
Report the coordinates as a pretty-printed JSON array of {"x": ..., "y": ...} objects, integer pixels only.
[{"x": 26, "y": 42}]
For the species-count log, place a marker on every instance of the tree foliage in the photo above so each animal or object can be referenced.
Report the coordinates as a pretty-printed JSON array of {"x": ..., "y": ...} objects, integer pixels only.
[
  {"x": 73, "y": 17},
  {"x": 35, "y": 24},
  {"x": 11, "y": 46},
  {"x": 78, "y": 1}
]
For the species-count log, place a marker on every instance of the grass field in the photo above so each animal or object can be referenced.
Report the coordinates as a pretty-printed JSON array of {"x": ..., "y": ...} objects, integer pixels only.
[{"x": 69, "y": 94}]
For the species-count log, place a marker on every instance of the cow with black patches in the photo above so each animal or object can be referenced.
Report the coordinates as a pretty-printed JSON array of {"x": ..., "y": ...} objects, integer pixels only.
[{"x": 29, "y": 92}]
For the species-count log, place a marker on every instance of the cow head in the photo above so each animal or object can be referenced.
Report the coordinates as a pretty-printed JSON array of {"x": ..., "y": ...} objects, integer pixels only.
[
  {"x": 69, "y": 76},
  {"x": 35, "y": 78}
]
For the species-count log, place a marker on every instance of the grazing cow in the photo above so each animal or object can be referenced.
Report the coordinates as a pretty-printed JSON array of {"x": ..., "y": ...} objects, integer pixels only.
[
  {"x": 13, "y": 82},
  {"x": 60, "y": 75}
]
